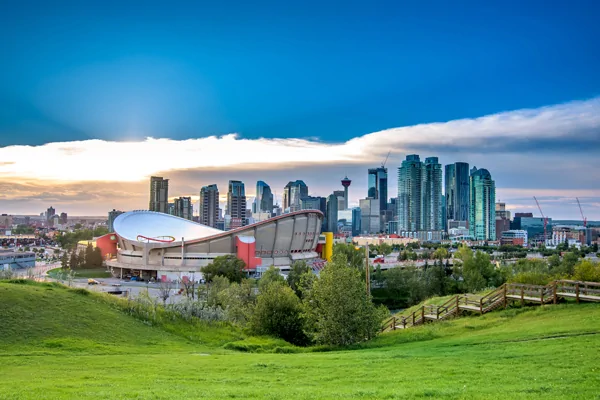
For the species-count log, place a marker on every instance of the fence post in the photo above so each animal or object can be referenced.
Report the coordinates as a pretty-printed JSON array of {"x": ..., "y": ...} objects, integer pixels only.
[
  {"x": 577, "y": 292},
  {"x": 394, "y": 322},
  {"x": 423, "y": 315},
  {"x": 504, "y": 295},
  {"x": 554, "y": 292},
  {"x": 457, "y": 305},
  {"x": 481, "y": 306},
  {"x": 413, "y": 315},
  {"x": 522, "y": 299},
  {"x": 403, "y": 323},
  {"x": 542, "y": 295}
]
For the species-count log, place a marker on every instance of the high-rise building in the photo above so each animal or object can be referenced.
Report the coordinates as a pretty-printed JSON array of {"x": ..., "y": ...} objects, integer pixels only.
[
  {"x": 159, "y": 194},
  {"x": 457, "y": 192},
  {"x": 346, "y": 184},
  {"x": 410, "y": 194},
  {"x": 370, "y": 216},
  {"x": 341, "y": 199},
  {"x": 184, "y": 208},
  {"x": 432, "y": 195},
  {"x": 264, "y": 198},
  {"x": 50, "y": 212},
  {"x": 63, "y": 218},
  {"x": 112, "y": 215},
  {"x": 236, "y": 202},
  {"x": 314, "y": 203},
  {"x": 356, "y": 221},
  {"x": 171, "y": 208},
  {"x": 482, "y": 215},
  {"x": 292, "y": 193},
  {"x": 332, "y": 212},
  {"x": 378, "y": 186},
  {"x": 502, "y": 220},
  {"x": 209, "y": 205}
]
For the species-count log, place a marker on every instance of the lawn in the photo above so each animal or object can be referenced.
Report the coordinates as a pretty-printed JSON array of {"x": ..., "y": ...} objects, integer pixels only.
[
  {"x": 84, "y": 273},
  {"x": 549, "y": 352}
]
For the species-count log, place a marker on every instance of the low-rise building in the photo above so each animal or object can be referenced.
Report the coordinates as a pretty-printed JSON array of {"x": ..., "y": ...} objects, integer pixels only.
[
  {"x": 10, "y": 259},
  {"x": 514, "y": 237}
]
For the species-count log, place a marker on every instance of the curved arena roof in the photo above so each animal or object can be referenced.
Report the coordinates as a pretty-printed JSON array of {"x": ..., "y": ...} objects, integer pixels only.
[{"x": 155, "y": 225}]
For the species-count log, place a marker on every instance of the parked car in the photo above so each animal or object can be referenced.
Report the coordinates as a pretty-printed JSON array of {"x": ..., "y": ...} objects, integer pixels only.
[{"x": 93, "y": 282}]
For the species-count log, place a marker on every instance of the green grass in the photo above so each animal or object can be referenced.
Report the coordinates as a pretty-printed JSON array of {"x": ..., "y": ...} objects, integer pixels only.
[
  {"x": 93, "y": 273},
  {"x": 65, "y": 344}
]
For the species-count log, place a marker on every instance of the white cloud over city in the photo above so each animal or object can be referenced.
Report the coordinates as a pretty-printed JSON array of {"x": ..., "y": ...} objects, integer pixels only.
[{"x": 549, "y": 152}]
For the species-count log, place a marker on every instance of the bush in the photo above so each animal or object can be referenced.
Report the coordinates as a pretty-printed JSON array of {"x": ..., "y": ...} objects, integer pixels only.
[
  {"x": 588, "y": 271},
  {"x": 278, "y": 312}
]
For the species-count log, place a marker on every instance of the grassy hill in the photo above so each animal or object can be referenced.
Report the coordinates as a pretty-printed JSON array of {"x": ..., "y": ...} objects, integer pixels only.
[{"x": 61, "y": 343}]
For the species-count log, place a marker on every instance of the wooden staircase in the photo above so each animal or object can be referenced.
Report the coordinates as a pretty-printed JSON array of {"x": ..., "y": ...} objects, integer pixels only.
[{"x": 500, "y": 297}]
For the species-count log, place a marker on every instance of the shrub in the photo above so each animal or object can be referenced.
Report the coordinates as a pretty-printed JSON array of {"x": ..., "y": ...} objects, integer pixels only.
[{"x": 586, "y": 270}]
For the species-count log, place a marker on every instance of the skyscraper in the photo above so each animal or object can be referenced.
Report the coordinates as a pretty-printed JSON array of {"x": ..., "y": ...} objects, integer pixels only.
[
  {"x": 112, "y": 215},
  {"x": 370, "y": 216},
  {"x": 341, "y": 199},
  {"x": 482, "y": 213},
  {"x": 410, "y": 188},
  {"x": 356, "y": 221},
  {"x": 50, "y": 212},
  {"x": 264, "y": 198},
  {"x": 332, "y": 212},
  {"x": 209, "y": 205},
  {"x": 292, "y": 193},
  {"x": 432, "y": 195},
  {"x": 184, "y": 208},
  {"x": 159, "y": 194},
  {"x": 236, "y": 201},
  {"x": 457, "y": 192},
  {"x": 378, "y": 186}
]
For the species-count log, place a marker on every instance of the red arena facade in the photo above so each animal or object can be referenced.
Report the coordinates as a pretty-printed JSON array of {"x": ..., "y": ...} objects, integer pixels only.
[{"x": 162, "y": 246}]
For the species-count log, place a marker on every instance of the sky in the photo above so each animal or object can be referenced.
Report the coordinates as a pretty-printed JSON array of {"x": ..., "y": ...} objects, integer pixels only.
[{"x": 97, "y": 96}]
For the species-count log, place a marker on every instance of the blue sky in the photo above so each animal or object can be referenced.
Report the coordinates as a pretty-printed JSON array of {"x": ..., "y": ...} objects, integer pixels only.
[
  {"x": 511, "y": 86},
  {"x": 80, "y": 70}
]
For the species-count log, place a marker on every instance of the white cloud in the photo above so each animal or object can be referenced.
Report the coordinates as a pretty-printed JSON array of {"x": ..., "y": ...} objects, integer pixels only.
[{"x": 544, "y": 152}]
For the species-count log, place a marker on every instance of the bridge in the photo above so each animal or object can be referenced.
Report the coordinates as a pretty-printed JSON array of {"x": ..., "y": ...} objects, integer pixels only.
[{"x": 500, "y": 297}]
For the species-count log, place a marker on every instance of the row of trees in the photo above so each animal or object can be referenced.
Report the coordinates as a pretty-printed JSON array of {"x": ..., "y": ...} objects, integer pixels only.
[
  {"x": 69, "y": 240},
  {"x": 473, "y": 271},
  {"x": 89, "y": 258}
]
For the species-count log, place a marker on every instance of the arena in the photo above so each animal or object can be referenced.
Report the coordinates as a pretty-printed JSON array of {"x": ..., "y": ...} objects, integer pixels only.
[{"x": 162, "y": 246}]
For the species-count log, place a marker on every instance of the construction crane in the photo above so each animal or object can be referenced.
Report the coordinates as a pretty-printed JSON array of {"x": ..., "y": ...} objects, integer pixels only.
[
  {"x": 581, "y": 211},
  {"x": 544, "y": 218},
  {"x": 386, "y": 158}
]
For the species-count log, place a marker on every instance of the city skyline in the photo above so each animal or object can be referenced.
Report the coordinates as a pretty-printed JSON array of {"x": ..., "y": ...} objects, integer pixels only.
[{"x": 554, "y": 177}]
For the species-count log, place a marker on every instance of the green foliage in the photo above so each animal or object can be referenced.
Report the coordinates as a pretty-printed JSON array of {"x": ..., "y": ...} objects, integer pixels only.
[
  {"x": 354, "y": 255},
  {"x": 228, "y": 266},
  {"x": 211, "y": 292},
  {"x": 64, "y": 261},
  {"x": 23, "y": 230},
  {"x": 441, "y": 254},
  {"x": 271, "y": 275},
  {"x": 296, "y": 271},
  {"x": 337, "y": 308},
  {"x": 586, "y": 270},
  {"x": 278, "y": 313},
  {"x": 238, "y": 299}
]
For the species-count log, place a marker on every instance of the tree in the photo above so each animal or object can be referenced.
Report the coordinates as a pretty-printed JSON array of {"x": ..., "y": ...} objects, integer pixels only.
[
  {"x": 441, "y": 253},
  {"x": 293, "y": 279},
  {"x": 228, "y": 266},
  {"x": 384, "y": 249},
  {"x": 588, "y": 271},
  {"x": 568, "y": 263},
  {"x": 211, "y": 292},
  {"x": 74, "y": 260},
  {"x": 64, "y": 261},
  {"x": 164, "y": 290},
  {"x": 338, "y": 309},
  {"x": 189, "y": 287},
  {"x": 355, "y": 255},
  {"x": 94, "y": 259},
  {"x": 269, "y": 276},
  {"x": 89, "y": 255},
  {"x": 278, "y": 312}
]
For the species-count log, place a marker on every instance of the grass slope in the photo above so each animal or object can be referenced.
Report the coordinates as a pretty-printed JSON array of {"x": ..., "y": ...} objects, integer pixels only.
[
  {"x": 83, "y": 273},
  {"x": 549, "y": 352}
]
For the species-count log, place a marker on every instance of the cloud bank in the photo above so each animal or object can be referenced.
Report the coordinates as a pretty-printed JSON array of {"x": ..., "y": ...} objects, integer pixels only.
[{"x": 549, "y": 151}]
